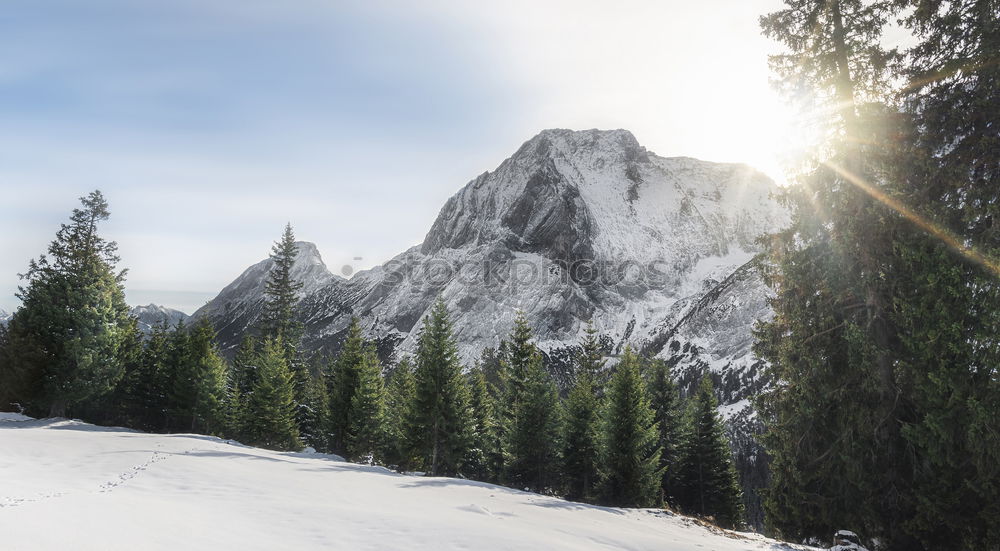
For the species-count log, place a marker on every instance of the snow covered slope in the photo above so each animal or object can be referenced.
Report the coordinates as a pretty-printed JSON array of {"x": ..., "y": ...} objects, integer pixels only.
[{"x": 69, "y": 485}]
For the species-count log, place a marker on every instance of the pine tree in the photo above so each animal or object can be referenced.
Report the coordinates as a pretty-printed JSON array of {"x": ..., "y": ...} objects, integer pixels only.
[
  {"x": 64, "y": 342},
  {"x": 199, "y": 384},
  {"x": 530, "y": 416},
  {"x": 10, "y": 381},
  {"x": 270, "y": 408},
  {"x": 490, "y": 362},
  {"x": 440, "y": 412},
  {"x": 885, "y": 323},
  {"x": 484, "y": 461},
  {"x": 367, "y": 431},
  {"x": 244, "y": 374},
  {"x": 142, "y": 387},
  {"x": 343, "y": 381},
  {"x": 591, "y": 360},
  {"x": 532, "y": 438},
  {"x": 401, "y": 392},
  {"x": 630, "y": 455},
  {"x": 116, "y": 407},
  {"x": 665, "y": 400},
  {"x": 281, "y": 295},
  {"x": 240, "y": 383},
  {"x": 278, "y": 320},
  {"x": 947, "y": 300},
  {"x": 706, "y": 480},
  {"x": 581, "y": 441},
  {"x": 313, "y": 415},
  {"x": 834, "y": 425}
]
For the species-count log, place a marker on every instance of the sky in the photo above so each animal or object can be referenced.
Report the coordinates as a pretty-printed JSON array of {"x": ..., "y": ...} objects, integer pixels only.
[{"x": 209, "y": 125}]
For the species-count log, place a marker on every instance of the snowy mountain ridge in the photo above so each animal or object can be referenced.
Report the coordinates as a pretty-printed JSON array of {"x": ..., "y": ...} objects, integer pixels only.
[{"x": 603, "y": 229}]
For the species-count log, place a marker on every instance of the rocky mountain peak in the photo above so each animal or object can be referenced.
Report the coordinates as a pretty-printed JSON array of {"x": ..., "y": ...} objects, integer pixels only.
[
  {"x": 599, "y": 146},
  {"x": 238, "y": 305},
  {"x": 599, "y": 195},
  {"x": 153, "y": 315}
]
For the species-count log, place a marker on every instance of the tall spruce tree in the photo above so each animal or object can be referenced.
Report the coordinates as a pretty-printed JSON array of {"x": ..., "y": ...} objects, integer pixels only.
[
  {"x": 144, "y": 387},
  {"x": 508, "y": 365},
  {"x": 834, "y": 425},
  {"x": 484, "y": 460},
  {"x": 706, "y": 480},
  {"x": 400, "y": 396},
  {"x": 630, "y": 453},
  {"x": 281, "y": 295},
  {"x": 66, "y": 340},
  {"x": 533, "y": 436},
  {"x": 948, "y": 295},
  {"x": 367, "y": 431},
  {"x": 530, "y": 415},
  {"x": 664, "y": 398},
  {"x": 343, "y": 380},
  {"x": 241, "y": 382},
  {"x": 270, "y": 409},
  {"x": 590, "y": 359},
  {"x": 244, "y": 374},
  {"x": 199, "y": 382},
  {"x": 440, "y": 413},
  {"x": 278, "y": 320},
  {"x": 117, "y": 408},
  {"x": 313, "y": 414},
  {"x": 581, "y": 442}
]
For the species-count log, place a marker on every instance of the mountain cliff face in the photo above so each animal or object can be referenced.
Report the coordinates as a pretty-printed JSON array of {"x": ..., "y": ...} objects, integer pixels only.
[{"x": 573, "y": 227}]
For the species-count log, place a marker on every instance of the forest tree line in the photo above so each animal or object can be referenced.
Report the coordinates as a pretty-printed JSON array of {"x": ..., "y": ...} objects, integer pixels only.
[{"x": 622, "y": 436}]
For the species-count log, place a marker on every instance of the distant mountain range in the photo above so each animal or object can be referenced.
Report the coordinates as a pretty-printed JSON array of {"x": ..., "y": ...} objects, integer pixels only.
[{"x": 152, "y": 315}]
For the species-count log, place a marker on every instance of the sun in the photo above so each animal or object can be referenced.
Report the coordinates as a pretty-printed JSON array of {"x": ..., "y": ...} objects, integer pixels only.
[{"x": 779, "y": 135}]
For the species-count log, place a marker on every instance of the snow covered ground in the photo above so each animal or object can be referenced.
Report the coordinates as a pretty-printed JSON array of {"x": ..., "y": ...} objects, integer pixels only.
[{"x": 69, "y": 485}]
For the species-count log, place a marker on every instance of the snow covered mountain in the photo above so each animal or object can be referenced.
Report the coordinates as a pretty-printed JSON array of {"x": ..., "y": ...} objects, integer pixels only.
[
  {"x": 4, "y": 316},
  {"x": 70, "y": 485},
  {"x": 575, "y": 226},
  {"x": 151, "y": 315},
  {"x": 238, "y": 307}
]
